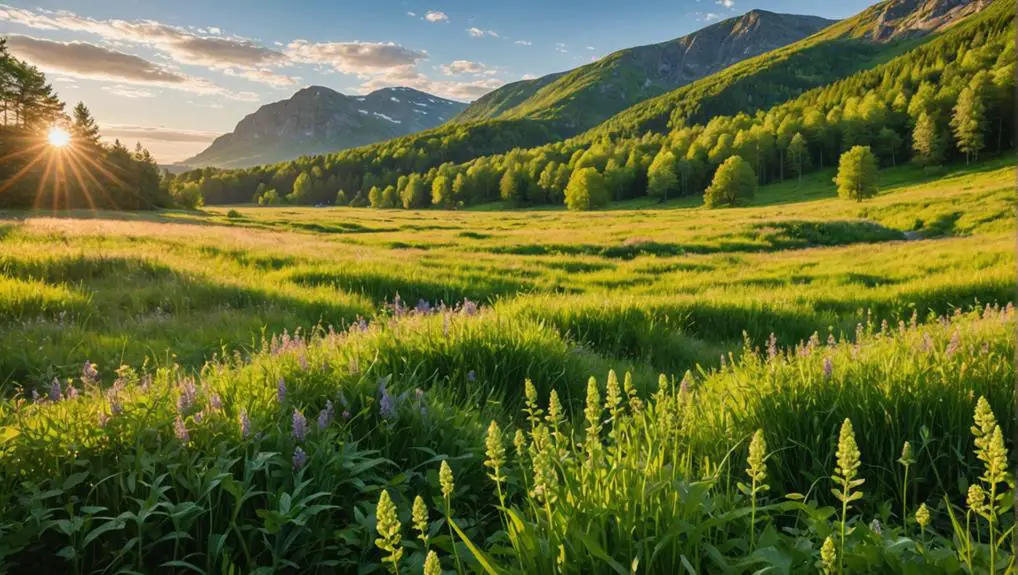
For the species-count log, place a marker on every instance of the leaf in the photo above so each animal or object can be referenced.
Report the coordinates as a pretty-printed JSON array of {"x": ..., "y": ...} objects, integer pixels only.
[
  {"x": 481, "y": 557},
  {"x": 111, "y": 525},
  {"x": 74, "y": 480},
  {"x": 595, "y": 549}
]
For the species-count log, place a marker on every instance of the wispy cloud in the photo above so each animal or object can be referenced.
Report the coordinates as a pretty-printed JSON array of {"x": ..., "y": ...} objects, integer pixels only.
[
  {"x": 479, "y": 33},
  {"x": 464, "y": 67},
  {"x": 726, "y": 3},
  {"x": 129, "y": 91},
  {"x": 524, "y": 43},
  {"x": 355, "y": 57}
]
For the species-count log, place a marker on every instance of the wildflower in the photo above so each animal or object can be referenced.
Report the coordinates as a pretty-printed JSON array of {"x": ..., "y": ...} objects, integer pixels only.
[
  {"x": 469, "y": 308},
  {"x": 757, "y": 459},
  {"x": 346, "y": 414},
  {"x": 186, "y": 395},
  {"x": 302, "y": 361},
  {"x": 55, "y": 393},
  {"x": 299, "y": 459},
  {"x": 300, "y": 426},
  {"x": 613, "y": 394},
  {"x": 72, "y": 392},
  {"x": 199, "y": 417},
  {"x": 354, "y": 366},
  {"x": 995, "y": 459},
  {"x": 520, "y": 444},
  {"x": 684, "y": 385},
  {"x": 814, "y": 342},
  {"x": 772, "y": 346},
  {"x": 828, "y": 368},
  {"x": 445, "y": 479},
  {"x": 495, "y": 451},
  {"x": 976, "y": 499},
  {"x": 215, "y": 402},
  {"x": 635, "y": 404},
  {"x": 927, "y": 345},
  {"x": 326, "y": 415},
  {"x": 556, "y": 416},
  {"x": 386, "y": 406},
  {"x": 423, "y": 307},
  {"x": 953, "y": 345},
  {"x": 907, "y": 458},
  {"x": 432, "y": 566},
  {"x": 419, "y": 516},
  {"x": 388, "y": 527},
  {"x": 593, "y": 410},
  {"x": 545, "y": 478},
  {"x": 104, "y": 419},
  {"x": 180, "y": 430},
  {"x": 848, "y": 455},
  {"x": 35, "y": 396},
  {"x": 245, "y": 424},
  {"x": 922, "y": 516},
  {"x": 89, "y": 373},
  {"x": 471, "y": 375},
  {"x": 828, "y": 556},
  {"x": 831, "y": 342},
  {"x": 875, "y": 526},
  {"x": 281, "y": 391}
]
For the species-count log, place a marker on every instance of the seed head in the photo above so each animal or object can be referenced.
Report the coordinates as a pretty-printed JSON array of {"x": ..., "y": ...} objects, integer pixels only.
[
  {"x": 593, "y": 409},
  {"x": 299, "y": 459},
  {"x": 828, "y": 556},
  {"x": 419, "y": 516},
  {"x": 555, "y": 413},
  {"x": 520, "y": 444},
  {"x": 388, "y": 527},
  {"x": 613, "y": 394},
  {"x": 848, "y": 452},
  {"x": 530, "y": 392},
  {"x": 300, "y": 426},
  {"x": 431, "y": 565},
  {"x": 976, "y": 499},
  {"x": 757, "y": 459},
  {"x": 906, "y": 454},
  {"x": 445, "y": 479},
  {"x": 922, "y": 516},
  {"x": 635, "y": 403},
  {"x": 495, "y": 450}
]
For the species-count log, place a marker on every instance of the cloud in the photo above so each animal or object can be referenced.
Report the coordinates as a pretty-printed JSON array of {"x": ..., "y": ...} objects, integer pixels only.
[
  {"x": 479, "y": 33},
  {"x": 355, "y": 57},
  {"x": 464, "y": 91},
  {"x": 201, "y": 47},
  {"x": 436, "y": 16},
  {"x": 129, "y": 92},
  {"x": 560, "y": 47},
  {"x": 528, "y": 77},
  {"x": 464, "y": 67},
  {"x": 412, "y": 14},
  {"x": 134, "y": 132},
  {"x": 711, "y": 16},
  {"x": 264, "y": 76},
  {"x": 524, "y": 43},
  {"x": 726, "y": 3},
  {"x": 84, "y": 60},
  {"x": 591, "y": 48}
]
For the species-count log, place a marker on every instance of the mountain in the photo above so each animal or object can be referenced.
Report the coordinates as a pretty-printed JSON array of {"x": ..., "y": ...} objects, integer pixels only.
[
  {"x": 584, "y": 97},
  {"x": 881, "y": 32},
  {"x": 319, "y": 120}
]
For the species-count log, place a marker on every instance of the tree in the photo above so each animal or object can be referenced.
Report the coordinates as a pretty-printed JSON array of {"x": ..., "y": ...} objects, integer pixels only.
[
  {"x": 416, "y": 194},
  {"x": 857, "y": 174},
  {"x": 926, "y": 140},
  {"x": 661, "y": 175},
  {"x": 441, "y": 192},
  {"x": 798, "y": 154},
  {"x": 734, "y": 181},
  {"x": 84, "y": 129},
  {"x": 586, "y": 190},
  {"x": 511, "y": 187},
  {"x": 460, "y": 189},
  {"x": 187, "y": 196},
  {"x": 969, "y": 121},
  {"x": 888, "y": 143},
  {"x": 375, "y": 197},
  {"x": 390, "y": 198},
  {"x": 302, "y": 187}
]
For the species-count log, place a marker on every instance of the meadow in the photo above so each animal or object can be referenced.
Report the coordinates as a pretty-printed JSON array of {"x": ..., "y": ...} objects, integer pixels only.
[{"x": 249, "y": 389}]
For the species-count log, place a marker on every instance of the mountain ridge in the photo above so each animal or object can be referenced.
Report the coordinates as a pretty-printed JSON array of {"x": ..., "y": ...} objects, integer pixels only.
[{"x": 317, "y": 119}]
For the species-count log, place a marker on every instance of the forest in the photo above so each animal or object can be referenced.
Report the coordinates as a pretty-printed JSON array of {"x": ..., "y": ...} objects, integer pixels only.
[
  {"x": 86, "y": 173},
  {"x": 947, "y": 100}
]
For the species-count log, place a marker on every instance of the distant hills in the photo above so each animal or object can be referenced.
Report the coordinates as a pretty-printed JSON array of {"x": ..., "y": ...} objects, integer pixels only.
[
  {"x": 581, "y": 98},
  {"x": 319, "y": 120}
]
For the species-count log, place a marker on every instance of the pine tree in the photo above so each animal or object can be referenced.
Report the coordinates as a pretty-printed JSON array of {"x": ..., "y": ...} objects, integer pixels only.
[
  {"x": 84, "y": 129},
  {"x": 888, "y": 143},
  {"x": 969, "y": 121},
  {"x": 857, "y": 174},
  {"x": 926, "y": 140}
]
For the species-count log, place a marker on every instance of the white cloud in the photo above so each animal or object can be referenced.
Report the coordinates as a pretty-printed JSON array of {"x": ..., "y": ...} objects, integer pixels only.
[
  {"x": 591, "y": 48},
  {"x": 410, "y": 77},
  {"x": 479, "y": 33},
  {"x": 464, "y": 67},
  {"x": 711, "y": 16},
  {"x": 726, "y": 3},
  {"x": 436, "y": 16},
  {"x": 524, "y": 43},
  {"x": 528, "y": 77},
  {"x": 129, "y": 91},
  {"x": 355, "y": 57},
  {"x": 560, "y": 47},
  {"x": 264, "y": 76},
  {"x": 412, "y": 14}
]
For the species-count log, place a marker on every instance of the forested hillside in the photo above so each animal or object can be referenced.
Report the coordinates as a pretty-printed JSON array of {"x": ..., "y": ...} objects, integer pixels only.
[
  {"x": 905, "y": 109},
  {"x": 83, "y": 173},
  {"x": 586, "y": 96}
]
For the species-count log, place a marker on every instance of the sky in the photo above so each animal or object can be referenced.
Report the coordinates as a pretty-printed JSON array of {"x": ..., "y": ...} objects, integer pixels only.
[{"x": 174, "y": 75}]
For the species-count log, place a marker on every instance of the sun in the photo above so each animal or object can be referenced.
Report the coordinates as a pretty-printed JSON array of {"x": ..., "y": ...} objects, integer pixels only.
[{"x": 58, "y": 137}]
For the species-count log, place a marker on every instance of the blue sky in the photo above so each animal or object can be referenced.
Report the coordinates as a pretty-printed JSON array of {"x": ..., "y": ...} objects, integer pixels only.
[{"x": 175, "y": 74}]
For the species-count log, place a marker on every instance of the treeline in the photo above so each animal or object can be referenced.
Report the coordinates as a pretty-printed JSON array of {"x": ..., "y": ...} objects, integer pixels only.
[
  {"x": 950, "y": 99},
  {"x": 83, "y": 174}
]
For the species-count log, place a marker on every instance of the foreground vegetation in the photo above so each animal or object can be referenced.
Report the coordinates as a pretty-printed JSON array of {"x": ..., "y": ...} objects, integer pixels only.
[{"x": 234, "y": 390}]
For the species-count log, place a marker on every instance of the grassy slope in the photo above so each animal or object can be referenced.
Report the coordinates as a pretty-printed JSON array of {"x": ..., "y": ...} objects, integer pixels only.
[{"x": 122, "y": 287}]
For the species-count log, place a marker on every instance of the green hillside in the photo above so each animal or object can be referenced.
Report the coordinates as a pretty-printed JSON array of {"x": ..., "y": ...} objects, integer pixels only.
[{"x": 498, "y": 102}]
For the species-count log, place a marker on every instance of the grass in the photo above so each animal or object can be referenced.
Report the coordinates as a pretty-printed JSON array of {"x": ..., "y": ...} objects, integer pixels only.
[{"x": 211, "y": 338}]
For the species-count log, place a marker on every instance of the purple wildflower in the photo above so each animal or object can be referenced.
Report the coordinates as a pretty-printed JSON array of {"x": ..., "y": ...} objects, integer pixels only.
[
  {"x": 423, "y": 307},
  {"x": 281, "y": 391},
  {"x": 300, "y": 426},
  {"x": 954, "y": 344},
  {"x": 103, "y": 419},
  {"x": 215, "y": 402},
  {"x": 199, "y": 417},
  {"x": 187, "y": 395},
  {"x": 471, "y": 375},
  {"x": 180, "y": 430},
  {"x": 342, "y": 400},
  {"x": 115, "y": 407},
  {"x": 469, "y": 307},
  {"x": 828, "y": 368},
  {"x": 89, "y": 373},
  {"x": 55, "y": 393},
  {"x": 299, "y": 459},
  {"x": 386, "y": 405},
  {"x": 326, "y": 415},
  {"x": 302, "y": 360},
  {"x": 245, "y": 424}
]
